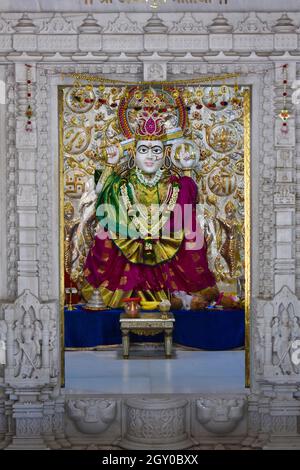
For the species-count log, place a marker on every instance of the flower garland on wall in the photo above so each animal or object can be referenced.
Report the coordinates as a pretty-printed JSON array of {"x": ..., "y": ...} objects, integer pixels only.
[{"x": 284, "y": 113}]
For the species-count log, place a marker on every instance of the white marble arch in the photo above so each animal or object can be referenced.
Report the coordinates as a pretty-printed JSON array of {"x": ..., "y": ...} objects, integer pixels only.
[{"x": 35, "y": 412}]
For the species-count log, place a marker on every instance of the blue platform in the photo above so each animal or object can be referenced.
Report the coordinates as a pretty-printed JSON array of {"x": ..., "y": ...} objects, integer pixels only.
[{"x": 209, "y": 329}]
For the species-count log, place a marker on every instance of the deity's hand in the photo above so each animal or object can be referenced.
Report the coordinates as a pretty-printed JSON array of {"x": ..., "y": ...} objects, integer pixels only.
[{"x": 113, "y": 154}]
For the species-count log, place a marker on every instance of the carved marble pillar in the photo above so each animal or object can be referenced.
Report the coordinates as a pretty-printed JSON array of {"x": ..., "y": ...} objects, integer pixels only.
[
  {"x": 3, "y": 427},
  {"x": 284, "y": 194},
  {"x": 8, "y": 256},
  {"x": 296, "y": 108},
  {"x": 27, "y": 376},
  {"x": 26, "y": 144},
  {"x": 29, "y": 426},
  {"x": 3, "y": 189},
  {"x": 278, "y": 380}
]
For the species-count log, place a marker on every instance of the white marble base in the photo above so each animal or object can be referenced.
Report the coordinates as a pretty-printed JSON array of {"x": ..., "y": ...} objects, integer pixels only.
[{"x": 187, "y": 372}]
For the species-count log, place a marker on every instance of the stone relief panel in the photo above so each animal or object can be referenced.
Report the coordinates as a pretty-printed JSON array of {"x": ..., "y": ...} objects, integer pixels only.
[
  {"x": 155, "y": 71},
  {"x": 31, "y": 342},
  {"x": 296, "y": 105},
  {"x": 277, "y": 346},
  {"x": 46, "y": 193},
  {"x": 266, "y": 185},
  {"x": 159, "y": 422}
]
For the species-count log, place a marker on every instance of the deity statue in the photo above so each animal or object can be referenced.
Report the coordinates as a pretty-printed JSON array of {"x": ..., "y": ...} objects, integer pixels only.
[
  {"x": 281, "y": 333},
  {"x": 148, "y": 241},
  {"x": 28, "y": 336}
]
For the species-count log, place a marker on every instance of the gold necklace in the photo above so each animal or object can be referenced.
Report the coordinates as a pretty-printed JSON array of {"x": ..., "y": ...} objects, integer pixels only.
[{"x": 143, "y": 221}]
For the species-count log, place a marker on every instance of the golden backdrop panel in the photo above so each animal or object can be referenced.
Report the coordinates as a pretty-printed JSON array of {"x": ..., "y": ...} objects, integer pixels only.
[{"x": 214, "y": 121}]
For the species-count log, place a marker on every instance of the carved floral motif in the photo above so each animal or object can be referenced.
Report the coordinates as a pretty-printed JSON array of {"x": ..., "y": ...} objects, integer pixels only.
[
  {"x": 122, "y": 24},
  {"x": 252, "y": 24},
  {"x": 58, "y": 24},
  {"x": 187, "y": 25}
]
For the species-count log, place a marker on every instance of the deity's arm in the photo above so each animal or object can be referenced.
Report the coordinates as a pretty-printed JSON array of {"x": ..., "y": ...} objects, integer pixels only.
[
  {"x": 101, "y": 179},
  {"x": 112, "y": 158}
]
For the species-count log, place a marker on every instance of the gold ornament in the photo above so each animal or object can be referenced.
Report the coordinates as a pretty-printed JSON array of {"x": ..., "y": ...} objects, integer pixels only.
[{"x": 230, "y": 249}]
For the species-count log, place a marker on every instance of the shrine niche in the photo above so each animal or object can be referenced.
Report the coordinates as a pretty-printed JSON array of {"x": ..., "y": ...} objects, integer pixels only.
[
  {"x": 48, "y": 45},
  {"x": 206, "y": 137}
]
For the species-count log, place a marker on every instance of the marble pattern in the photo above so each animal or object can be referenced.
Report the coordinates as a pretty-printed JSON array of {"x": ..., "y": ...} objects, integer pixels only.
[{"x": 188, "y": 372}]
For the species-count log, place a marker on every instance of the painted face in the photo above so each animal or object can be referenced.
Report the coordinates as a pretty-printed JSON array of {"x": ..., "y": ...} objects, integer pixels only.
[{"x": 149, "y": 155}]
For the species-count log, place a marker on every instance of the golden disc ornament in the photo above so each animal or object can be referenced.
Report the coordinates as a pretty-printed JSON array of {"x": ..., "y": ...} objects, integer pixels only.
[{"x": 221, "y": 182}]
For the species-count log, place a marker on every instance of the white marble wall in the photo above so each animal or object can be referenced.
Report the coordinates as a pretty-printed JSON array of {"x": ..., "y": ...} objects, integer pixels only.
[{"x": 34, "y": 410}]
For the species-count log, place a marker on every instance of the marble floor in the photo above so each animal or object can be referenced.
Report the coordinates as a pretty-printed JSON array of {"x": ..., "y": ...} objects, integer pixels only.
[{"x": 187, "y": 372}]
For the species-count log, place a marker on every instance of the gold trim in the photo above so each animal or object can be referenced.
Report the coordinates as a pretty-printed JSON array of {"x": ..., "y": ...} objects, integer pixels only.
[
  {"x": 61, "y": 235},
  {"x": 247, "y": 208},
  {"x": 186, "y": 82}
]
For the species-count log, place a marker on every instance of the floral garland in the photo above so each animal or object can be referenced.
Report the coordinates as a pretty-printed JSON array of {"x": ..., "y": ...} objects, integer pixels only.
[
  {"x": 141, "y": 222},
  {"x": 150, "y": 182}
]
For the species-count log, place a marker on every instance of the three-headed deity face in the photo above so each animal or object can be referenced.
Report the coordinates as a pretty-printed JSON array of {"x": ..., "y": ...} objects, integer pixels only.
[{"x": 149, "y": 156}]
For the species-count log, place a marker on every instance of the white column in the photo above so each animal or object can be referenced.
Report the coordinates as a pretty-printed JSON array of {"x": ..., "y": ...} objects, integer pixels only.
[
  {"x": 26, "y": 144},
  {"x": 3, "y": 188},
  {"x": 284, "y": 193}
]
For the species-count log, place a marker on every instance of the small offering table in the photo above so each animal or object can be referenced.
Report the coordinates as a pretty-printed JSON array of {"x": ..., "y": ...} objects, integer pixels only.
[{"x": 146, "y": 324}]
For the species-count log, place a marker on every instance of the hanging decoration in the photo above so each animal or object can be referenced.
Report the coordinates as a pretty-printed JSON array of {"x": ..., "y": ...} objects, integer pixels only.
[
  {"x": 104, "y": 81},
  {"x": 28, "y": 112},
  {"x": 156, "y": 3},
  {"x": 284, "y": 113}
]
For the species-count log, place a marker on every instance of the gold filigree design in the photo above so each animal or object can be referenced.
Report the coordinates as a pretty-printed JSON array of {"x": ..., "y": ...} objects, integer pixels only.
[{"x": 247, "y": 246}]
